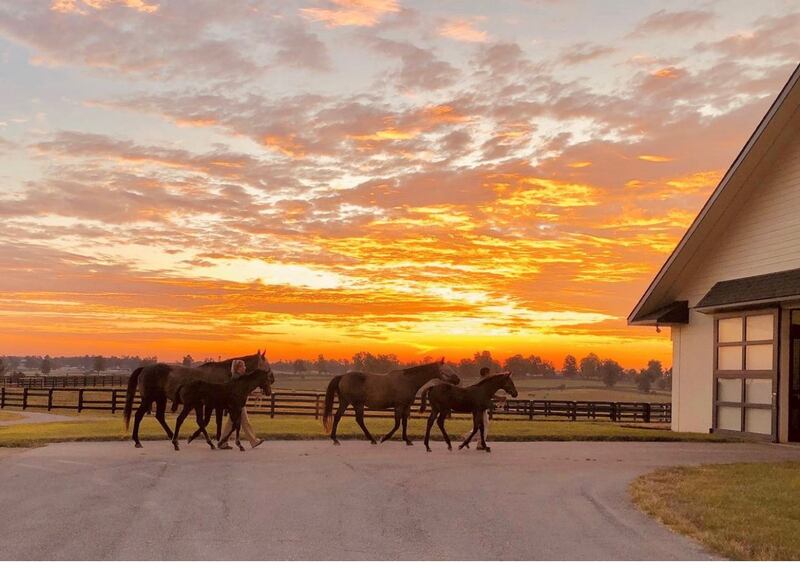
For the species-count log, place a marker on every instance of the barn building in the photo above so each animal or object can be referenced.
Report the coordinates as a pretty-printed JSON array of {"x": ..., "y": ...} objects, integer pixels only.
[{"x": 730, "y": 291}]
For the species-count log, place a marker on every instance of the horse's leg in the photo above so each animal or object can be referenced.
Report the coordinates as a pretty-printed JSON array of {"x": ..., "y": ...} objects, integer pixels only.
[
  {"x": 181, "y": 417},
  {"x": 485, "y": 422},
  {"x": 390, "y": 433},
  {"x": 343, "y": 404},
  {"x": 219, "y": 412},
  {"x": 202, "y": 420},
  {"x": 238, "y": 430},
  {"x": 431, "y": 420},
  {"x": 468, "y": 439},
  {"x": 236, "y": 423},
  {"x": 161, "y": 409},
  {"x": 137, "y": 419},
  {"x": 406, "y": 412},
  {"x": 483, "y": 436},
  {"x": 360, "y": 421},
  {"x": 207, "y": 411},
  {"x": 440, "y": 422}
]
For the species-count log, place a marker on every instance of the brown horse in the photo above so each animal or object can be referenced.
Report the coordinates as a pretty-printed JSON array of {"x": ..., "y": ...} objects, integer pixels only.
[
  {"x": 395, "y": 389},
  {"x": 197, "y": 395},
  {"x": 446, "y": 398},
  {"x": 159, "y": 382}
]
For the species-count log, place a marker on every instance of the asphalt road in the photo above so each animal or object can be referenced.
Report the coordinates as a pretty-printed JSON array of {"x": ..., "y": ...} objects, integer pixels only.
[{"x": 311, "y": 500}]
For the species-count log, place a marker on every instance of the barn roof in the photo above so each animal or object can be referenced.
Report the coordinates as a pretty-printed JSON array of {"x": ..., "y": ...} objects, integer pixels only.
[
  {"x": 752, "y": 290},
  {"x": 656, "y": 297}
]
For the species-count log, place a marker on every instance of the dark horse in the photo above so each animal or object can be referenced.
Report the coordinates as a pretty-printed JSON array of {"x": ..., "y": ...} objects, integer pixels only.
[
  {"x": 395, "y": 389},
  {"x": 232, "y": 396},
  {"x": 159, "y": 382},
  {"x": 446, "y": 398}
]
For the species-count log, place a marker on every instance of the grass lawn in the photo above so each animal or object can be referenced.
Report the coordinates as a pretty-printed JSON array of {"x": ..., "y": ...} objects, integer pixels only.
[
  {"x": 100, "y": 427},
  {"x": 741, "y": 511}
]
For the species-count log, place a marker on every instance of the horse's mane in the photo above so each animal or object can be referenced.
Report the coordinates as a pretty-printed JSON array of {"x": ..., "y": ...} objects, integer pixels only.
[
  {"x": 487, "y": 379},
  {"x": 419, "y": 368},
  {"x": 227, "y": 362}
]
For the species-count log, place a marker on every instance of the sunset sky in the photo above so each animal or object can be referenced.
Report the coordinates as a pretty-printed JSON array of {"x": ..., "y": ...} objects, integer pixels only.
[{"x": 330, "y": 176}]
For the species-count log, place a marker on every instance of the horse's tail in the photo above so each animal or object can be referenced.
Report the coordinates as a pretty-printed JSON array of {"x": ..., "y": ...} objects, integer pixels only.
[
  {"x": 333, "y": 388},
  {"x": 422, "y": 393},
  {"x": 132, "y": 382}
]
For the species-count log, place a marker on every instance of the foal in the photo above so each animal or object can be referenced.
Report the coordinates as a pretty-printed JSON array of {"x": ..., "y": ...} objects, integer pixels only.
[
  {"x": 232, "y": 396},
  {"x": 476, "y": 399}
]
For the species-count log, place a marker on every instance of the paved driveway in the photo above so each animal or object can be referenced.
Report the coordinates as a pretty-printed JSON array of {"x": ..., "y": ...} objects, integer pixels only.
[{"x": 310, "y": 500}]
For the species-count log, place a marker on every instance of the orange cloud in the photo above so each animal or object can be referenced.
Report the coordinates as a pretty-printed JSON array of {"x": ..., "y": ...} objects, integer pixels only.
[
  {"x": 461, "y": 29},
  {"x": 654, "y": 158},
  {"x": 76, "y": 6},
  {"x": 667, "y": 73},
  {"x": 287, "y": 145},
  {"x": 363, "y": 13}
]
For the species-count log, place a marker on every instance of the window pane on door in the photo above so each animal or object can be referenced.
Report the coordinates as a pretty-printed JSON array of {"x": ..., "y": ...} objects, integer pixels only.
[
  {"x": 759, "y": 357},
  {"x": 729, "y": 418},
  {"x": 730, "y": 330},
  {"x": 730, "y": 358},
  {"x": 758, "y": 391},
  {"x": 758, "y": 420},
  {"x": 729, "y": 390},
  {"x": 760, "y": 327}
]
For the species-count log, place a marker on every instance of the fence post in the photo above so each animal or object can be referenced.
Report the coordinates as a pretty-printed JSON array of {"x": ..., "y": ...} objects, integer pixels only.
[
  {"x": 3, "y": 397},
  {"x": 574, "y": 411},
  {"x": 272, "y": 405},
  {"x": 316, "y": 408},
  {"x": 530, "y": 410},
  {"x": 647, "y": 409},
  {"x": 49, "y": 400},
  {"x": 80, "y": 400},
  {"x": 613, "y": 412},
  {"x": 113, "y": 401},
  {"x": 24, "y": 398}
]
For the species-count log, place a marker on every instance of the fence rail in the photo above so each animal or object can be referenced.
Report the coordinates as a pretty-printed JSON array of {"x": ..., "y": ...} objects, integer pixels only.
[
  {"x": 66, "y": 381},
  {"x": 308, "y": 403}
]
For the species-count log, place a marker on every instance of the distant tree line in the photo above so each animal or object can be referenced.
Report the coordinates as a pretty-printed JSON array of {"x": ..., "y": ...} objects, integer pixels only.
[
  {"x": 11, "y": 365},
  {"x": 609, "y": 371}
]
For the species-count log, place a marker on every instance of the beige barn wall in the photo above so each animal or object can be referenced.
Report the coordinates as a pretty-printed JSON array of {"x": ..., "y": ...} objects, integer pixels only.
[
  {"x": 693, "y": 397},
  {"x": 761, "y": 235}
]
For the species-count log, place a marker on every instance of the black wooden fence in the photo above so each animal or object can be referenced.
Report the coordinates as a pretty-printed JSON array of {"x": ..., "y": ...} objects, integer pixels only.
[
  {"x": 306, "y": 403},
  {"x": 66, "y": 381}
]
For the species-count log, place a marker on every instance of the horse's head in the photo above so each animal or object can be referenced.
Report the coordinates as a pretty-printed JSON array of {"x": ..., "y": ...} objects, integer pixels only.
[
  {"x": 447, "y": 374},
  {"x": 508, "y": 385},
  {"x": 263, "y": 365},
  {"x": 260, "y": 378}
]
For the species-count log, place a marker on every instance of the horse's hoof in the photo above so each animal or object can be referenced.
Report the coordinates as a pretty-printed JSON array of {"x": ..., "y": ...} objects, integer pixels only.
[
  {"x": 189, "y": 441},
  {"x": 409, "y": 443},
  {"x": 137, "y": 445},
  {"x": 177, "y": 449},
  {"x": 449, "y": 448},
  {"x": 373, "y": 442},
  {"x": 241, "y": 449},
  {"x": 427, "y": 449},
  {"x": 488, "y": 449},
  {"x": 337, "y": 443}
]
